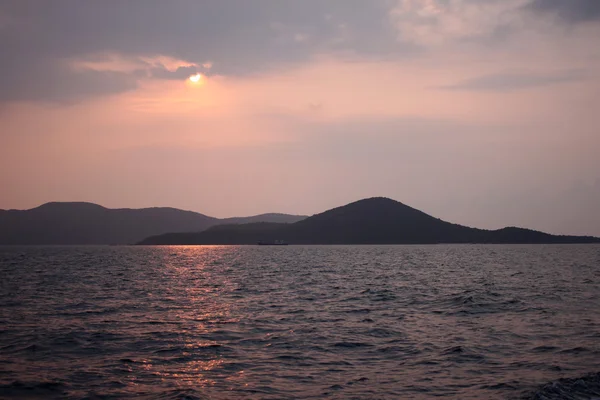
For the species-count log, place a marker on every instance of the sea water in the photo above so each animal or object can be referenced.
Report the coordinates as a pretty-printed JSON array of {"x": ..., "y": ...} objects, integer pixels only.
[{"x": 300, "y": 322}]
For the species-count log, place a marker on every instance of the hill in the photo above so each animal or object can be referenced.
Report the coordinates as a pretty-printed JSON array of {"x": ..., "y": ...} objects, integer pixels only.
[
  {"x": 88, "y": 223},
  {"x": 370, "y": 221}
]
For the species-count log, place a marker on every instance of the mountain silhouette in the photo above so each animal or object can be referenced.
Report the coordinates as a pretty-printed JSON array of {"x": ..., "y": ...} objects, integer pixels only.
[
  {"x": 88, "y": 223},
  {"x": 370, "y": 221}
]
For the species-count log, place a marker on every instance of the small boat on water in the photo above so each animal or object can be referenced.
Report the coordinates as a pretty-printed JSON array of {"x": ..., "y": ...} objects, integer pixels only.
[{"x": 272, "y": 243}]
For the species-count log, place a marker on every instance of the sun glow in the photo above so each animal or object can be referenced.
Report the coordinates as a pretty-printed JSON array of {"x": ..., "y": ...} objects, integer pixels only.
[{"x": 195, "y": 78}]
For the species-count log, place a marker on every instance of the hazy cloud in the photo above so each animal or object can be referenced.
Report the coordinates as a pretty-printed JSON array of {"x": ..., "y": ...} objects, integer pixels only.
[
  {"x": 570, "y": 10},
  {"x": 55, "y": 81},
  {"x": 238, "y": 37},
  {"x": 437, "y": 22},
  {"x": 507, "y": 82},
  {"x": 40, "y": 38},
  {"x": 180, "y": 73}
]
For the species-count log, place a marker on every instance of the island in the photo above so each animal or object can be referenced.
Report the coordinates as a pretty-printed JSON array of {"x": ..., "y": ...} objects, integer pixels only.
[{"x": 377, "y": 220}]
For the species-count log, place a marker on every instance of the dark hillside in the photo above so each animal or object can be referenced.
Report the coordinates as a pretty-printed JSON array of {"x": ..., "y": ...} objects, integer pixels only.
[{"x": 370, "y": 221}]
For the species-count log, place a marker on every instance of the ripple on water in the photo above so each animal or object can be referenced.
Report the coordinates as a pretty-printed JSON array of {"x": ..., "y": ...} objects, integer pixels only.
[{"x": 464, "y": 322}]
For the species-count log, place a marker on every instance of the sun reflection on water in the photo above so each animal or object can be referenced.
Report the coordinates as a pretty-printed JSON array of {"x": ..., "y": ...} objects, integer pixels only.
[{"x": 201, "y": 300}]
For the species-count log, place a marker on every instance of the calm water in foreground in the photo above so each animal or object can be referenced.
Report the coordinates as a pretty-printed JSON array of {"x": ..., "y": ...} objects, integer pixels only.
[{"x": 366, "y": 322}]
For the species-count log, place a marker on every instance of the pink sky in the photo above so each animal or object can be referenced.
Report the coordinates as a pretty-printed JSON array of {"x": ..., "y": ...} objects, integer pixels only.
[{"x": 480, "y": 113}]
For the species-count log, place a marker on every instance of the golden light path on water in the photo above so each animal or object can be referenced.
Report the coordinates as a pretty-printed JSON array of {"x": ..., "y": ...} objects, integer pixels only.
[{"x": 205, "y": 310}]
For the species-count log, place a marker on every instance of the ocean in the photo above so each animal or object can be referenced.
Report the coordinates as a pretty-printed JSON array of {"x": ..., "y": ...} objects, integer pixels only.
[{"x": 300, "y": 322}]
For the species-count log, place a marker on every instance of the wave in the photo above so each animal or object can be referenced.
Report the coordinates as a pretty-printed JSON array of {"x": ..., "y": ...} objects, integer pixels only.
[
  {"x": 34, "y": 389},
  {"x": 586, "y": 387}
]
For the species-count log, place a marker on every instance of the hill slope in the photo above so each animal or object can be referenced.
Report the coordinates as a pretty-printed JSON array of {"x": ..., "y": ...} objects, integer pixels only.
[
  {"x": 370, "y": 221},
  {"x": 87, "y": 223}
]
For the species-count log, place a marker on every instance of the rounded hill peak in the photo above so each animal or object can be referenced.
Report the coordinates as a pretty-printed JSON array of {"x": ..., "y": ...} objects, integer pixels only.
[
  {"x": 76, "y": 205},
  {"x": 376, "y": 200},
  {"x": 375, "y": 203}
]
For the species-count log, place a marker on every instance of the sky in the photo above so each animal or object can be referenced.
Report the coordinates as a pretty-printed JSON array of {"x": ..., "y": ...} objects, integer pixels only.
[{"x": 480, "y": 112}]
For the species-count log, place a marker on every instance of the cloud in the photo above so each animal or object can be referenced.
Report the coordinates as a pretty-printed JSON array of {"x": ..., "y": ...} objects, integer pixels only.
[
  {"x": 54, "y": 81},
  {"x": 572, "y": 11},
  {"x": 231, "y": 37},
  {"x": 437, "y": 22},
  {"x": 509, "y": 82},
  {"x": 431, "y": 23},
  {"x": 180, "y": 73},
  {"x": 70, "y": 80},
  {"x": 227, "y": 36}
]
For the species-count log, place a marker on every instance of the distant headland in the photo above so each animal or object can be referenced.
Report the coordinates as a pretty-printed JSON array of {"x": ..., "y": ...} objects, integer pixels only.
[
  {"x": 375, "y": 220},
  {"x": 87, "y": 223},
  {"x": 370, "y": 221}
]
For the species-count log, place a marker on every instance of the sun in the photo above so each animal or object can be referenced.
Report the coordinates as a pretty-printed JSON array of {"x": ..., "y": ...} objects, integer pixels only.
[{"x": 195, "y": 78}]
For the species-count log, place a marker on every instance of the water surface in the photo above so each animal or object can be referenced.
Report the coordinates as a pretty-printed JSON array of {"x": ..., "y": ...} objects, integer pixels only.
[{"x": 455, "y": 321}]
